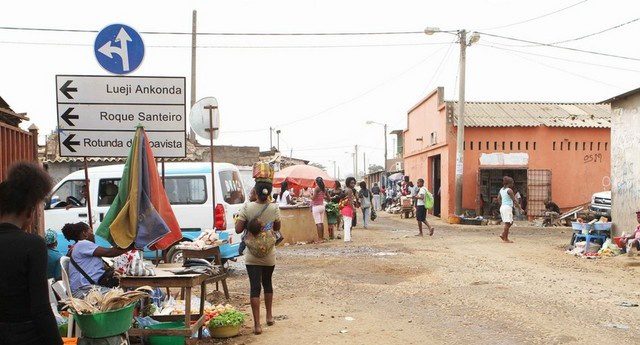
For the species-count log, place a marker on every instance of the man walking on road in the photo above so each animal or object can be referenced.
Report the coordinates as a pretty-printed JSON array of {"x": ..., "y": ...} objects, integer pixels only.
[
  {"x": 375, "y": 190},
  {"x": 507, "y": 202},
  {"x": 421, "y": 210}
]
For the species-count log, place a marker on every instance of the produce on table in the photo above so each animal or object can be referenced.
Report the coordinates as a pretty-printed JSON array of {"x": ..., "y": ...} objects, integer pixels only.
[{"x": 223, "y": 315}]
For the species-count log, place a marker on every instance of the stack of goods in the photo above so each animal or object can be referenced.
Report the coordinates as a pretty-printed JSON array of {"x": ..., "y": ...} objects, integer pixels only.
[
  {"x": 263, "y": 172},
  {"x": 95, "y": 301},
  {"x": 208, "y": 238},
  {"x": 198, "y": 266}
]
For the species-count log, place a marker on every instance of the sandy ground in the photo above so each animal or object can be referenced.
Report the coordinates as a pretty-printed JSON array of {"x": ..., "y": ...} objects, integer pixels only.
[{"x": 460, "y": 286}]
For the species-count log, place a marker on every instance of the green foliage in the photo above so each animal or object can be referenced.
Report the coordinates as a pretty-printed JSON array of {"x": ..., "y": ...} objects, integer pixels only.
[
  {"x": 332, "y": 210},
  {"x": 228, "y": 318}
]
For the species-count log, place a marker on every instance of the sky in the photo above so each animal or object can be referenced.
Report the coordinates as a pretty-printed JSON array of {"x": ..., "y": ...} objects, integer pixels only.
[{"x": 320, "y": 91}]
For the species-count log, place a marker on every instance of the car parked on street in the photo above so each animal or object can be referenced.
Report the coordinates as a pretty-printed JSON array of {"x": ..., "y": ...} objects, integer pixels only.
[{"x": 601, "y": 204}]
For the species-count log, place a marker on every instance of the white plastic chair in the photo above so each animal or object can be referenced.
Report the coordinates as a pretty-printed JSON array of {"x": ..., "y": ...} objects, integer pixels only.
[{"x": 64, "y": 263}]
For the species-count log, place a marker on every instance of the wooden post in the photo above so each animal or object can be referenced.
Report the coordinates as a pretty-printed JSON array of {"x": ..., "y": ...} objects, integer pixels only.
[
  {"x": 162, "y": 163},
  {"x": 87, "y": 194}
]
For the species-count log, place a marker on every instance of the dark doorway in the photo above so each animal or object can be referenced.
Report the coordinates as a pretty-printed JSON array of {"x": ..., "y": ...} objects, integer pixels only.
[
  {"x": 490, "y": 183},
  {"x": 436, "y": 183}
]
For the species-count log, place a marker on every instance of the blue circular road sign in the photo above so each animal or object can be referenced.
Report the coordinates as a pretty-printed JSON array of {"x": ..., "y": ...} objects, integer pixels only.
[{"x": 119, "y": 49}]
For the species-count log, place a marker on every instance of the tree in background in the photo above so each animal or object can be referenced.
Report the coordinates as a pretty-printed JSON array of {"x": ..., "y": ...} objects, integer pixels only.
[
  {"x": 318, "y": 165},
  {"x": 375, "y": 168}
]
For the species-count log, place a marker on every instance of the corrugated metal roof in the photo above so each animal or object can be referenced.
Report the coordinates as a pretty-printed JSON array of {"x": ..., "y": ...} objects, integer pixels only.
[{"x": 514, "y": 114}]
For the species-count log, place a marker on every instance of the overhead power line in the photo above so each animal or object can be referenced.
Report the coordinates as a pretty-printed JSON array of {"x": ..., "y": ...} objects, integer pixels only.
[
  {"x": 559, "y": 58},
  {"x": 563, "y": 70},
  {"x": 560, "y": 47},
  {"x": 597, "y": 33},
  {"x": 535, "y": 18},
  {"x": 373, "y": 33},
  {"x": 284, "y": 46},
  {"x": 326, "y": 110}
]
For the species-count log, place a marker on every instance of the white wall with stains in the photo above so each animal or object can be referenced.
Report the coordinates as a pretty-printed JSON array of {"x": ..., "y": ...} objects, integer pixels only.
[{"x": 625, "y": 163}]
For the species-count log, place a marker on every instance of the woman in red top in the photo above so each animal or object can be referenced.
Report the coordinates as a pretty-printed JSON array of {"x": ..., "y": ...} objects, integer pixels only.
[{"x": 318, "y": 196}]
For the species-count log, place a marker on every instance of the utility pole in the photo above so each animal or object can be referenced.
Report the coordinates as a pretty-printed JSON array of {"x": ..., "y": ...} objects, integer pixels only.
[
  {"x": 338, "y": 172},
  {"x": 364, "y": 162},
  {"x": 460, "y": 135},
  {"x": 355, "y": 159},
  {"x": 385, "y": 147},
  {"x": 278, "y": 139},
  {"x": 192, "y": 134},
  {"x": 334, "y": 169},
  {"x": 270, "y": 138}
]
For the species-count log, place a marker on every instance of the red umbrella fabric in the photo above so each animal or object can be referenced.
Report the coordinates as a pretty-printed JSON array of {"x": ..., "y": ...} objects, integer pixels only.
[{"x": 300, "y": 176}]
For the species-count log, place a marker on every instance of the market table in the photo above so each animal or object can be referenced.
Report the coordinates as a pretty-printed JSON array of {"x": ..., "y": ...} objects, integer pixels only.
[
  {"x": 205, "y": 253},
  {"x": 165, "y": 278}
]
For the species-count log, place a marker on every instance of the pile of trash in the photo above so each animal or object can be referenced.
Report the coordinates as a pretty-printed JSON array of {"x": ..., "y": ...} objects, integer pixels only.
[{"x": 595, "y": 250}]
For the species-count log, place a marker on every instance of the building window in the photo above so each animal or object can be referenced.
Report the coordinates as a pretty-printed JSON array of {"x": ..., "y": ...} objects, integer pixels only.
[
  {"x": 584, "y": 146},
  {"x": 576, "y": 146},
  {"x": 518, "y": 146},
  {"x": 561, "y": 145},
  {"x": 568, "y": 146},
  {"x": 526, "y": 146},
  {"x": 464, "y": 146},
  {"x": 511, "y": 145},
  {"x": 598, "y": 146},
  {"x": 480, "y": 145},
  {"x": 591, "y": 149},
  {"x": 534, "y": 145},
  {"x": 554, "y": 145},
  {"x": 488, "y": 146},
  {"x": 503, "y": 146},
  {"x": 495, "y": 146},
  {"x": 471, "y": 148},
  {"x": 605, "y": 145}
]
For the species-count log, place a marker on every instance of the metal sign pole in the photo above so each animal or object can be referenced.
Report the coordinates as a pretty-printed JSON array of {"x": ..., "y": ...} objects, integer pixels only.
[
  {"x": 211, "y": 130},
  {"x": 86, "y": 192},
  {"x": 162, "y": 163}
]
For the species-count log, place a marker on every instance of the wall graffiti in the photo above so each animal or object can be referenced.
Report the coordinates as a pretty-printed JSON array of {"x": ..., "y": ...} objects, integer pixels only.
[{"x": 593, "y": 158}]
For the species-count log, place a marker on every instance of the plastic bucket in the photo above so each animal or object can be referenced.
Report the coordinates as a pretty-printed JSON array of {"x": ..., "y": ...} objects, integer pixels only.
[
  {"x": 106, "y": 324},
  {"x": 167, "y": 339}
]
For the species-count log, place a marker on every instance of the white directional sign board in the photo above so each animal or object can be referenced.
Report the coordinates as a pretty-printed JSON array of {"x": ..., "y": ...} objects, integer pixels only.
[{"x": 98, "y": 115}]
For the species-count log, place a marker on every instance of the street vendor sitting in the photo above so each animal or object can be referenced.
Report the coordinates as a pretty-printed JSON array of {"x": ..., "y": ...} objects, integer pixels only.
[
  {"x": 551, "y": 206},
  {"x": 87, "y": 269},
  {"x": 634, "y": 237}
]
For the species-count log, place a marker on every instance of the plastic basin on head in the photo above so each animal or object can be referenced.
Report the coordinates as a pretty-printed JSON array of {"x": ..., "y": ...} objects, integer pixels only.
[
  {"x": 106, "y": 324},
  {"x": 166, "y": 339}
]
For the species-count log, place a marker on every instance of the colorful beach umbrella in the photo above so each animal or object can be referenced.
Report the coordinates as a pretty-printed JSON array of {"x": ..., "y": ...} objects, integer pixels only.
[{"x": 141, "y": 213}]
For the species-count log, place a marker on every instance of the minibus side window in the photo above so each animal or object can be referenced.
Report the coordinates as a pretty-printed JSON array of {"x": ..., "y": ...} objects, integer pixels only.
[
  {"x": 232, "y": 190},
  {"x": 186, "y": 190},
  {"x": 107, "y": 191}
]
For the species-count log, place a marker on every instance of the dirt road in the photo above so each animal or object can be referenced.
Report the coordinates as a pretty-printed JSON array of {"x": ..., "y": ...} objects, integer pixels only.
[{"x": 461, "y": 286}]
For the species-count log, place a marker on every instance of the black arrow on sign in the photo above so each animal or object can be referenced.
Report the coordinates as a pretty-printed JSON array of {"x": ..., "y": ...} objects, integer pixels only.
[
  {"x": 66, "y": 116},
  {"x": 65, "y": 89},
  {"x": 68, "y": 143}
]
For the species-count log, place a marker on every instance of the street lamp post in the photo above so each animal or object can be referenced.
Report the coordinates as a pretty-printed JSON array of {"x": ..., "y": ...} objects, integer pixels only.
[
  {"x": 462, "y": 39},
  {"x": 384, "y": 125}
]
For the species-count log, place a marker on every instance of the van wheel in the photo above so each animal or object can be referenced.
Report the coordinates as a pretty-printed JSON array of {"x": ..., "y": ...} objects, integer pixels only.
[{"x": 174, "y": 256}]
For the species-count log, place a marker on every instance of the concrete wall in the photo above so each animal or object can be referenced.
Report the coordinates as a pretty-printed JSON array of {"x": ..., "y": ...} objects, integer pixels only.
[
  {"x": 238, "y": 155},
  {"x": 625, "y": 167}
]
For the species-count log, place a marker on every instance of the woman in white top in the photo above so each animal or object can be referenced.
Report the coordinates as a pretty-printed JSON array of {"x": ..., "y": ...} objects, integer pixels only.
[
  {"x": 284, "y": 198},
  {"x": 506, "y": 199}
]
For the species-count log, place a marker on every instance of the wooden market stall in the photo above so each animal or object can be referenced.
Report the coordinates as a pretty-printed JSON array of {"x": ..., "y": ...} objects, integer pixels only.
[{"x": 298, "y": 224}]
